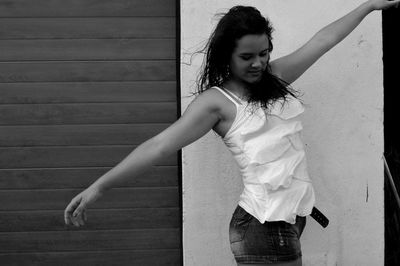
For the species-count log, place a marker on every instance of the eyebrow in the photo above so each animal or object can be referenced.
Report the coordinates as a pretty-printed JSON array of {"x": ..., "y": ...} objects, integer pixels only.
[{"x": 265, "y": 50}]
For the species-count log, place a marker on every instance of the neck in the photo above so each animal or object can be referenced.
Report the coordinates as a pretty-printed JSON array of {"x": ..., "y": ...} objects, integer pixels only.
[{"x": 236, "y": 86}]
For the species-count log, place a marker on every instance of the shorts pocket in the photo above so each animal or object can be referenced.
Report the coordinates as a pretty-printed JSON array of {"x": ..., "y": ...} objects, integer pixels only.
[{"x": 239, "y": 224}]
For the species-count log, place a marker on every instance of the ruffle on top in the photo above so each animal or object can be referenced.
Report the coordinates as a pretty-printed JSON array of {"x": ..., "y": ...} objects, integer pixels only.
[
  {"x": 267, "y": 147},
  {"x": 272, "y": 146}
]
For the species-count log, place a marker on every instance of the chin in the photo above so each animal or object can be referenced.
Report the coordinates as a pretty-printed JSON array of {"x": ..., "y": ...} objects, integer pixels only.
[{"x": 253, "y": 80}]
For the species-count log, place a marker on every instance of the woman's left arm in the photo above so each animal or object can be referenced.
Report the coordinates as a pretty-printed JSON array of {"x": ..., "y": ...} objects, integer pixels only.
[{"x": 292, "y": 66}]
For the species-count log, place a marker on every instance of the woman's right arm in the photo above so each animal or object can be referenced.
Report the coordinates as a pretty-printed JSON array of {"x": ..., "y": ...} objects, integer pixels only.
[
  {"x": 200, "y": 116},
  {"x": 292, "y": 66}
]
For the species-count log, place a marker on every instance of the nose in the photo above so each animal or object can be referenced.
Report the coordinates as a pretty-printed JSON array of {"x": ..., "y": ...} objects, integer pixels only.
[{"x": 256, "y": 63}]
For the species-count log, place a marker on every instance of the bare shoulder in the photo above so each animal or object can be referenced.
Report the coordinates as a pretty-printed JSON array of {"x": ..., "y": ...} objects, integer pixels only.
[
  {"x": 224, "y": 108},
  {"x": 213, "y": 100}
]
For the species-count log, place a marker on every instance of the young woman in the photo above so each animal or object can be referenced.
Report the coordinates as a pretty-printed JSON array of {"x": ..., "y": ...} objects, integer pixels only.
[{"x": 247, "y": 100}]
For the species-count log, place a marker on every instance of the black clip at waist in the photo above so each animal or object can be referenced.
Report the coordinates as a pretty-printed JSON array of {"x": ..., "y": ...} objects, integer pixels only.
[{"x": 319, "y": 217}]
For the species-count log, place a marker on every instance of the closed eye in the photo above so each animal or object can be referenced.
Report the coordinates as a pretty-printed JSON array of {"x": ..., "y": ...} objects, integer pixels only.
[
  {"x": 246, "y": 57},
  {"x": 264, "y": 53}
]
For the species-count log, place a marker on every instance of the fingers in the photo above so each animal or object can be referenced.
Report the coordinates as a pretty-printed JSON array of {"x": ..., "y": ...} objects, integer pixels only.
[
  {"x": 394, "y": 3},
  {"x": 78, "y": 215},
  {"x": 72, "y": 206},
  {"x": 77, "y": 219},
  {"x": 70, "y": 209},
  {"x": 75, "y": 213},
  {"x": 68, "y": 212},
  {"x": 386, "y": 4}
]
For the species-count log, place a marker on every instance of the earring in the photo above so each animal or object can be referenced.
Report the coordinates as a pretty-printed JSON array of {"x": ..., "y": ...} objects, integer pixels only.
[{"x": 228, "y": 70}]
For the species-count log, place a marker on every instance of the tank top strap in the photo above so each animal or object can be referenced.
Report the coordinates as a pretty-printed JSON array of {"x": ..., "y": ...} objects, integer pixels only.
[{"x": 235, "y": 99}]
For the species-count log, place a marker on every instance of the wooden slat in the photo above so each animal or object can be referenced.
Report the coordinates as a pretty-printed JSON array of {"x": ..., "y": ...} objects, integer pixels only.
[
  {"x": 86, "y": 92},
  {"x": 86, "y": 8},
  {"x": 90, "y": 240},
  {"x": 91, "y": 113},
  {"x": 22, "y": 221},
  {"x": 157, "y": 176},
  {"x": 103, "y": 49},
  {"x": 158, "y": 257},
  {"x": 78, "y": 71},
  {"x": 129, "y": 134},
  {"x": 87, "y": 28},
  {"x": 115, "y": 198},
  {"x": 70, "y": 156}
]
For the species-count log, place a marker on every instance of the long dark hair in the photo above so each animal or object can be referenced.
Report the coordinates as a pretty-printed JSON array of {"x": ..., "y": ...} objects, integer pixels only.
[{"x": 240, "y": 21}]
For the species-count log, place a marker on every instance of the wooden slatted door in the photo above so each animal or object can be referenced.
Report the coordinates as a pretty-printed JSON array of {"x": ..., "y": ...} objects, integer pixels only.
[{"x": 82, "y": 83}]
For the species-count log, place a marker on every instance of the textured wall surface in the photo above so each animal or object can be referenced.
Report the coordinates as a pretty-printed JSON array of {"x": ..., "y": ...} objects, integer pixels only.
[{"x": 343, "y": 133}]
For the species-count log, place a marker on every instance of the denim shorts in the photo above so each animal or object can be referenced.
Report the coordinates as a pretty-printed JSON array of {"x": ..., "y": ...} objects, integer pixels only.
[{"x": 255, "y": 243}]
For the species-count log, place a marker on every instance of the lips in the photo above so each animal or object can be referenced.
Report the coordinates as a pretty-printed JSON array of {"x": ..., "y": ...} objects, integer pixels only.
[{"x": 255, "y": 73}]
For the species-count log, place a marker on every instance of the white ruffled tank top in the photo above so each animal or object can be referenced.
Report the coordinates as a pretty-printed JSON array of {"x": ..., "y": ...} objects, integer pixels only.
[{"x": 268, "y": 149}]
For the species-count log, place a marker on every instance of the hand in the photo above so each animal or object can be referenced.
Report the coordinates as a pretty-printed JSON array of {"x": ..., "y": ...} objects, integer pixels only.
[
  {"x": 75, "y": 213},
  {"x": 383, "y": 4}
]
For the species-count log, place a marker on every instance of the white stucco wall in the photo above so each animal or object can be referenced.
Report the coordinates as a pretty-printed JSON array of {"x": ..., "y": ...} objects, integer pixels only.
[{"x": 343, "y": 133}]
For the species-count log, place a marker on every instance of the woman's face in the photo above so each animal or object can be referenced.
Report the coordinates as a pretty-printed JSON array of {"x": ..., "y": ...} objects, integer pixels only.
[{"x": 250, "y": 58}]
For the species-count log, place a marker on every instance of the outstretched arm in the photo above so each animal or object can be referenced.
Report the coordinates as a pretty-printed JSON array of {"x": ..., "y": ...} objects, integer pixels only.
[
  {"x": 292, "y": 66},
  {"x": 200, "y": 116}
]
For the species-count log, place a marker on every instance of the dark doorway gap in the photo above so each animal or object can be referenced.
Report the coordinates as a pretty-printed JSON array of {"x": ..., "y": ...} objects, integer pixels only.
[{"x": 391, "y": 59}]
